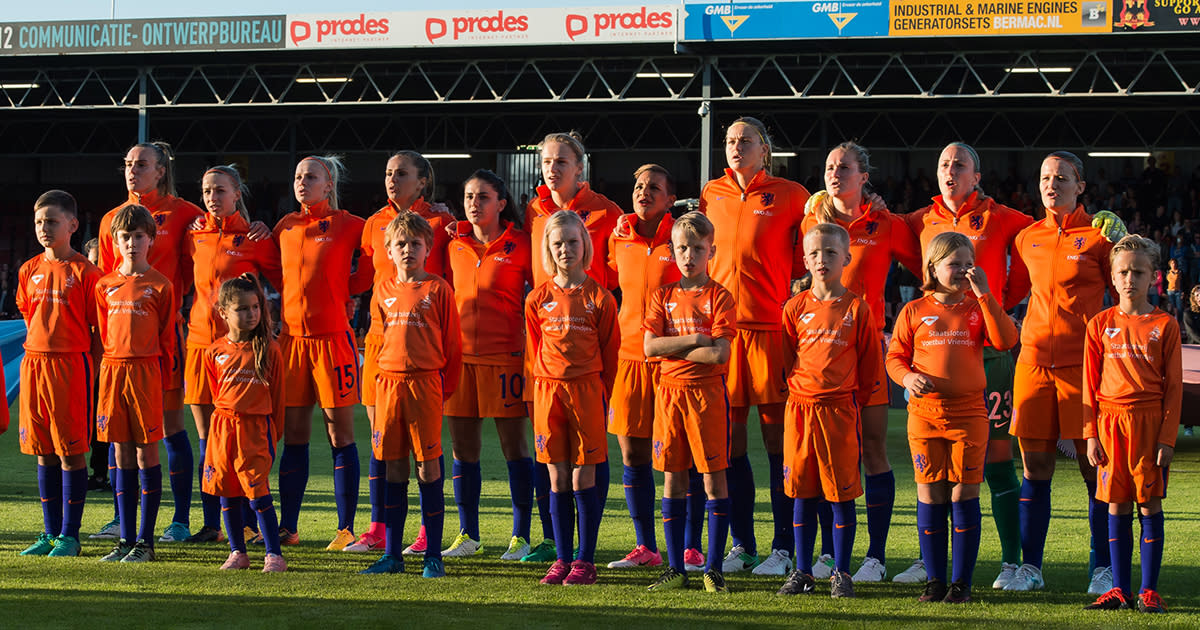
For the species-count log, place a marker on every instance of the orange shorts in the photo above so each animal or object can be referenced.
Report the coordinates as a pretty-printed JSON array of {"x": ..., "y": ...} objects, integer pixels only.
[
  {"x": 882, "y": 390},
  {"x": 239, "y": 456},
  {"x": 1129, "y": 436},
  {"x": 320, "y": 370},
  {"x": 408, "y": 416},
  {"x": 54, "y": 418},
  {"x": 489, "y": 391},
  {"x": 947, "y": 442},
  {"x": 568, "y": 420},
  {"x": 631, "y": 408},
  {"x": 196, "y": 389},
  {"x": 822, "y": 443},
  {"x": 757, "y": 368},
  {"x": 1047, "y": 402},
  {"x": 691, "y": 425},
  {"x": 130, "y": 407},
  {"x": 370, "y": 367}
]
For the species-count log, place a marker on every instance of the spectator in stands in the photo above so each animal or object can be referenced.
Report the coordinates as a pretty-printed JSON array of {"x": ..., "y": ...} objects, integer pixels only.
[
  {"x": 1191, "y": 317},
  {"x": 8, "y": 295}
]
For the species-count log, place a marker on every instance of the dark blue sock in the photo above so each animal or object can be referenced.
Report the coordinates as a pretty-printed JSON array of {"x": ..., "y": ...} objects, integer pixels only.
[
  {"x": 520, "y": 488},
  {"x": 562, "y": 516},
  {"x": 151, "y": 482},
  {"x": 741, "y": 491},
  {"x": 433, "y": 513},
  {"x": 112, "y": 477},
  {"x": 210, "y": 504},
  {"x": 231, "y": 512},
  {"x": 1035, "y": 520},
  {"x": 74, "y": 488},
  {"x": 268, "y": 524},
  {"x": 825, "y": 519},
  {"x": 541, "y": 494},
  {"x": 180, "y": 465},
  {"x": 1152, "y": 550},
  {"x": 346, "y": 474},
  {"x": 933, "y": 537},
  {"x": 394, "y": 507},
  {"x": 468, "y": 485},
  {"x": 376, "y": 486},
  {"x": 1098, "y": 526},
  {"x": 1120, "y": 550},
  {"x": 674, "y": 516},
  {"x": 293, "y": 480},
  {"x": 880, "y": 491},
  {"x": 781, "y": 505},
  {"x": 588, "y": 506},
  {"x": 50, "y": 488},
  {"x": 639, "y": 496},
  {"x": 603, "y": 480},
  {"x": 250, "y": 517},
  {"x": 718, "y": 529},
  {"x": 804, "y": 532},
  {"x": 967, "y": 520},
  {"x": 126, "y": 490},
  {"x": 845, "y": 523},
  {"x": 697, "y": 508}
]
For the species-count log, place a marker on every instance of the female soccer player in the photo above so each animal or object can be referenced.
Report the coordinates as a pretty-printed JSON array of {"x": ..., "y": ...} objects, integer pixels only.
[
  {"x": 757, "y": 219},
  {"x": 244, "y": 371},
  {"x": 877, "y": 237},
  {"x": 1072, "y": 260},
  {"x": 219, "y": 251},
  {"x": 490, "y": 261},
  {"x": 317, "y": 246},
  {"x": 563, "y": 157},
  {"x": 150, "y": 181},
  {"x": 408, "y": 179}
]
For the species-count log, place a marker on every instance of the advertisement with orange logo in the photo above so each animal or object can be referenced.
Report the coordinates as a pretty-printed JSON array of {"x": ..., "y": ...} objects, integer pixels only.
[{"x": 930, "y": 18}]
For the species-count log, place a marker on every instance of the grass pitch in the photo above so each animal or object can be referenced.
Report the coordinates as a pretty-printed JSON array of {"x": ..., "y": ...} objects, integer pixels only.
[{"x": 322, "y": 589}]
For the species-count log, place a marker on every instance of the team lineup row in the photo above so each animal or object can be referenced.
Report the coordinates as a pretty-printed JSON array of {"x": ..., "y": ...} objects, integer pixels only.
[{"x": 672, "y": 372}]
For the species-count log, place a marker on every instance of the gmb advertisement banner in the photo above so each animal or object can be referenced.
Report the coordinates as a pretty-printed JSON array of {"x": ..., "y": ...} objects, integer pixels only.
[{"x": 716, "y": 21}]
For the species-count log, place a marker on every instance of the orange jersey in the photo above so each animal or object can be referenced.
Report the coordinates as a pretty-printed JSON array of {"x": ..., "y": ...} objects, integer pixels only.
[
  {"x": 598, "y": 214},
  {"x": 58, "y": 301},
  {"x": 758, "y": 243},
  {"x": 642, "y": 265},
  {"x": 572, "y": 332},
  {"x": 489, "y": 288},
  {"x": 1073, "y": 272},
  {"x": 167, "y": 254},
  {"x": 992, "y": 228},
  {"x": 220, "y": 251},
  {"x": 238, "y": 389},
  {"x": 835, "y": 345},
  {"x": 876, "y": 239},
  {"x": 1132, "y": 360},
  {"x": 375, "y": 235},
  {"x": 944, "y": 342},
  {"x": 421, "y": 331},
  {"x": 136, "y": 315},
  {"x": 316, "y": 247},
  {"x": 675, "y": 312}
]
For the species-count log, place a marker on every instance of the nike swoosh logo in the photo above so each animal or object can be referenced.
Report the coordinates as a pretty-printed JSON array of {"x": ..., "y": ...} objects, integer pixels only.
[
  {"x": 507, "y": 405},
  {"x": 929, "y": 532},
  {"x": 430, "y": 447},
  {"x": 847, "y": 486},
  {"x": 840, "y": 526},
  {"x": 593, "y": 450},
  {"x": 711, "y": 457},
  {"x": 999, "y": 425},
  {"x": 72, "y": 442},
  {"x": 797, "y": 524},
  {"x": 1150, "y": 540},
  {"x": 344, "y": 394},
  {"x": 959, "y": 530}
]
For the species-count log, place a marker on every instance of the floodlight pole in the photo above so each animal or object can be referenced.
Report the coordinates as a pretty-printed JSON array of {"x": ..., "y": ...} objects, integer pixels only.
[
  {"x": 143, "y": 113},
  {"x": 706, "y": 139}
]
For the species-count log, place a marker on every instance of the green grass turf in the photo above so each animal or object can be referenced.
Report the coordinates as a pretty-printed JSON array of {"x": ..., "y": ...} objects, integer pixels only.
[{"x": 321, "y": 589}]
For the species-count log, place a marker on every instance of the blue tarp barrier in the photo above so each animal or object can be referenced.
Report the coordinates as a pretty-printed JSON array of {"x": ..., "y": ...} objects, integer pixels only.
[{"x": 12, "y": 348}]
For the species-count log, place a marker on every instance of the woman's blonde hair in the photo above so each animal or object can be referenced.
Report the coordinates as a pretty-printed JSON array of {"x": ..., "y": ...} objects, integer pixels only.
[
  {"x": 570, "y": 138},
  {"x": 165, "y": 156},
  {"x": 761, "y": 128},
  {"x": 336, "y": 171},
  {"x": 940, "y": 248},
  {"x": 557, "y": 221},
  {"x": 821, "y": 203},
  {"x": 230, "y": 171}
]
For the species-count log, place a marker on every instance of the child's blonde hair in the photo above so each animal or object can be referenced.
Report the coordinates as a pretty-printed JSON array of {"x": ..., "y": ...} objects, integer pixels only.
[
  {"x": 830, "y": 229},
  {"x": 557, "y": 221},
  {"x": 940, "y": 248},
  {"x": 693, "y": 225},
  {"x": 1136, "y": 243},
  {"x": 409, "y": 223},
  {"x": 1194, "y": 299},
  {"x": 261, "y": 336},
  {"x": 133, "y": 217}
]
